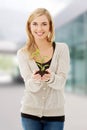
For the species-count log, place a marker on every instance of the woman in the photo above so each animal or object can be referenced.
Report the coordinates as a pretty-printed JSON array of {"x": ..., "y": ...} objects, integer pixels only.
[{"x": 43, "y": 101}]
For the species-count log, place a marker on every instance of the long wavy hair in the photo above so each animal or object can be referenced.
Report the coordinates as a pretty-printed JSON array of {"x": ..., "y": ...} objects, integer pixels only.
[{"x": 30, "y": 45}]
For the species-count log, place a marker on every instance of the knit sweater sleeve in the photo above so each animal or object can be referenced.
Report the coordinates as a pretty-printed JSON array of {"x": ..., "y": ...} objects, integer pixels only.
[
  {"x": 58, "y": 80},
  {"x": 26, "y": 73}
]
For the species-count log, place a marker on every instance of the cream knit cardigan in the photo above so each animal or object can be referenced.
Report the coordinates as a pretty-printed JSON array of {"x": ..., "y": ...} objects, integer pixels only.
[{"x": 45, "y": 98}]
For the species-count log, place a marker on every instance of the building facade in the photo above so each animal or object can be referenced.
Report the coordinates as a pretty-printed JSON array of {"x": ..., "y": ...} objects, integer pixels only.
[{"x": 74, "y": 33}]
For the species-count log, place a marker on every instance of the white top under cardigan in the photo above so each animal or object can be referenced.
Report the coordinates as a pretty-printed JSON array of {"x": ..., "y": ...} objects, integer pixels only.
[{"x": 45, "y": 98}]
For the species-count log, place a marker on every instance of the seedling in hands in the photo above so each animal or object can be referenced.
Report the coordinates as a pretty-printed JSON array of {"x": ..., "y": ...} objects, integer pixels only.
[{"x": 40, "y": 62}]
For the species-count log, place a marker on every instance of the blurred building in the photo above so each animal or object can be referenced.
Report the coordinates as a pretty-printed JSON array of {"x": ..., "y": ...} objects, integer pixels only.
[{"x": 71, "y": 27}]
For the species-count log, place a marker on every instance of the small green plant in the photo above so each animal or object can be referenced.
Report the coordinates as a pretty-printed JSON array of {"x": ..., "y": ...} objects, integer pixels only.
[{"x": 40, "y": 62}]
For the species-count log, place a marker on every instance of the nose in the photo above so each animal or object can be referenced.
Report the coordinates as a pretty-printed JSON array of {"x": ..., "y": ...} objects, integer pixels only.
[{"x": 39, "y": 28}]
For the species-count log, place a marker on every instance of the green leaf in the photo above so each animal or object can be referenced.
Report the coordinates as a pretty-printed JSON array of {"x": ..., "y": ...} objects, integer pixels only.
[
  {"x": 40, "y": 65},
  {"x": 36, "y": 53}
]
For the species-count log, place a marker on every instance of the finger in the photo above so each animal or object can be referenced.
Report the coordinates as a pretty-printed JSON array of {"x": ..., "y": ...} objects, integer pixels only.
[
  {"x": 34, "y": 72},
  {"x": 37, "y": 75},
  {"x": 47, "y": 75},
  {"x": 48, "y": 70}
]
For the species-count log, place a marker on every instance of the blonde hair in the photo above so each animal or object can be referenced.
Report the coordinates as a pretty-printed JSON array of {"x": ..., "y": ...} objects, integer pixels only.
[{"x": 30, "y": 46}]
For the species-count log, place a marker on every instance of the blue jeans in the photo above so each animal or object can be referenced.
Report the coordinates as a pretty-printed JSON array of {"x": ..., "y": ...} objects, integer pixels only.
[{"x": 31, "y": 124}]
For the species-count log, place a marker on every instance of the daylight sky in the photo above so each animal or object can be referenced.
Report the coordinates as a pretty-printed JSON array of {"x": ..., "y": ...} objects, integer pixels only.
[{"x": 54, "y": 6}]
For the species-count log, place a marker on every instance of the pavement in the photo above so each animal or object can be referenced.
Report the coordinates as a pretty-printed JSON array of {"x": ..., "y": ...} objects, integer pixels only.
[{"x": 10, "y": 97}]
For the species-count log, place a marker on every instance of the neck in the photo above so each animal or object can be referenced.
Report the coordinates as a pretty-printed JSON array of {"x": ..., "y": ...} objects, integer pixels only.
[{"x": 43, "y": 44}]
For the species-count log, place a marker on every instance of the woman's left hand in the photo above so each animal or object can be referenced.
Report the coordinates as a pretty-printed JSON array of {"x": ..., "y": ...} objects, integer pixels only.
[{"x": 46, "y": 77}]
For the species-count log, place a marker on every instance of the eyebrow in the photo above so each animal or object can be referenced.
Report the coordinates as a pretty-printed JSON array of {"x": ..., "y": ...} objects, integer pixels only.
[{"x": 42, "y": 22}]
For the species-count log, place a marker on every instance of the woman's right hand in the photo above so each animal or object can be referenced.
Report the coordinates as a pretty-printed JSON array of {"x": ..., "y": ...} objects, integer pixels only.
[{"x": 36, "y": 76}]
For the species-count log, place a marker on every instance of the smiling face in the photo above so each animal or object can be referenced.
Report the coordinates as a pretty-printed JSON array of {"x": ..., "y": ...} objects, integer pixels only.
[{"x": 40, "y": 27}]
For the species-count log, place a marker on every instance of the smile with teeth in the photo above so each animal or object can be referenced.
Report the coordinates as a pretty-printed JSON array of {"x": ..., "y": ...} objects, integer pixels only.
[{"x": 39, "y": 33}]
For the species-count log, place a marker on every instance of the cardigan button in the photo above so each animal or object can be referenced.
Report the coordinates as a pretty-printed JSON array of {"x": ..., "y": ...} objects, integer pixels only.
[
  {"x": 43, "y": 97},
  {"x": 44, "y": 88}
]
